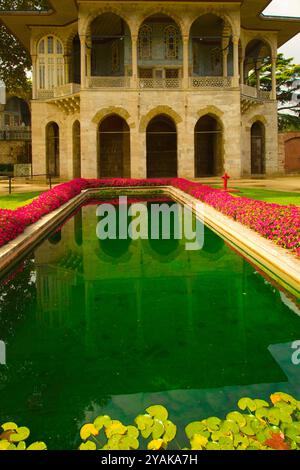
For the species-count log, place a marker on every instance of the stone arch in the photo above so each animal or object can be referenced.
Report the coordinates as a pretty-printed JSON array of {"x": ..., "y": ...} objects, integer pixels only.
[
  {"x": 258, "y": 148},
  {"x": 213, "y": 11},
  {"x": 257, "y": 118},
  {"x": 263, "y": 39},
  {"x": 105, "y": 112},
  {"x": 211, "y": 111},
  {"x": 70, "y": 38},
  {"x": 86, "y": 24},
  {"x": 209, "y": 144},
  {"x": 163, "y": 109},
  {"x": 164, "y": 11}
]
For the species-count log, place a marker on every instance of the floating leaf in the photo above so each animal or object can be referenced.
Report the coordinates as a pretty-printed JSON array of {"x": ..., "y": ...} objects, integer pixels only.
[
  {"x": 88, "y": 430},
  {"x": 241, "y": 442},
  {"x": 9, "y": 426},
  {"x": 245, "y": 403},
  {"x": 37, "y": 446},
  {"x": 229, "y": 427},
  {"x": 4, "y": 445},
  {"x": 158, "y": 412},
  {"x": 115, "y": 427},
  {"x": 261, "y": 404},
  {"x": 21, "y": 445},
  {"x": 198, "y": 442},
  {"x": 213, "y": 446},
  {"x": 133, "y": 432},
  {"x": 21, "y": 434},
  {"x": 157, "y": 444},
  {"x": 143, "y": 422},
  {"x": 280, "y": 396},
  {"x": 237, "y": 418},
  {"x": 213, "y": 423},
  {"x": 170, "y": 431},
  {"x": 89, "y": 445},
  {"x": 158, "y": 429},
  {"x": 102, "y": 421},
  {"x": 196, "y": 427},
  {"x": 128, "y": 443}
]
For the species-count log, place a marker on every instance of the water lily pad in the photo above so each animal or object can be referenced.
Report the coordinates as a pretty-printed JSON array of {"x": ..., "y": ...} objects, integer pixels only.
[
  {"x": 37, "y": 446},
  {"x": 115, "y": 427},
  {"x": 21, "y": 434},
  {"x": 102, "y": 421},
  {"x": 88, "y": 430},
  {"x": 213, "y": 446},
  {"x": 128, "y": 443},
  {"x": 198, "y": 442},
  {"x": 4, "y": 445},
  {"x": 21, "y": 445},
  {"x": 170, "y": 431},
  {"x": 196, "y": 427},
  {"x": 156, "y": 444},
  {"x": 237, "y": 418},
  {"x": 143, "y": 422},
  {"x": 158, "y": 411},
  {"x": 247, "y": 403},
  {"x": 158, "y": 429},
  {"x": 261, "y": 404},
  {"x": 9, "y": 426},
  {"x": 133, "y": 432},
  {"x": 89, "y": 445},
  {"x": 213, "y": 423},
  {"x": 229, "y": 427}
]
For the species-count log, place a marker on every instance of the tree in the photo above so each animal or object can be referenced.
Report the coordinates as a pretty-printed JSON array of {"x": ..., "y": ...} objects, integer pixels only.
[
  {"x": 288, "y": 85},
  {"x": 15, "y": 60}
]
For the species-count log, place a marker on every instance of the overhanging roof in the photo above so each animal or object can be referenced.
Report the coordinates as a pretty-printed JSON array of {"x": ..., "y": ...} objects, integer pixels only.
[{"x": 64, "y": 12}]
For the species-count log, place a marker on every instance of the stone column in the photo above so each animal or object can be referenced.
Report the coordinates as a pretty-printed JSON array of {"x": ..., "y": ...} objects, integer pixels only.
[
  {"x": 67, "y": 59},
  {"x": 257, "y": 72},
  {"x": 274, "y": 91},
  {"x": 242, "y": 78},
  {"x": 185, "y": 61},
  {"x": 236, "y": 60},
  {"x": 83, "y": 60},
  {"x": 134, "y": 59},
  {"x": 34, "y": 77},
  {"x": 89, "y": 58}
]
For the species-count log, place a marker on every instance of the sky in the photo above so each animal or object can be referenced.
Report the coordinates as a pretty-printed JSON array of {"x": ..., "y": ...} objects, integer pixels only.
[{"x": 287, "y": 8}]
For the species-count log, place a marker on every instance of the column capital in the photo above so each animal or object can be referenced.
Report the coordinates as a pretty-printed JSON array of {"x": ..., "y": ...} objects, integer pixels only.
[{"x": 235, "y": 40}]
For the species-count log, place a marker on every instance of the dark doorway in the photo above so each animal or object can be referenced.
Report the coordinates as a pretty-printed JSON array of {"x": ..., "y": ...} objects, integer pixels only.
[
  {"x": 161, "y": 142},
  {"x": 114, "y": 148},
  {"x": 258, "y": 149},
  {"x": 76, "y": 150},
  {"x": 52, "y": 149},
  {"x": 208, "y": 147}
]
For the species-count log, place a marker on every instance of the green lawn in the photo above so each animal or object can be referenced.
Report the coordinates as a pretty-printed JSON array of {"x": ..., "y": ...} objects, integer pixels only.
[
  {"x": 13, "y": 201},
  {"x": 278, "y": 197}
]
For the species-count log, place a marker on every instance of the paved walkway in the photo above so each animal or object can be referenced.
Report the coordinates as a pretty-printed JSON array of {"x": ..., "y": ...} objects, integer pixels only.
[{"x": 286, "y": 183}]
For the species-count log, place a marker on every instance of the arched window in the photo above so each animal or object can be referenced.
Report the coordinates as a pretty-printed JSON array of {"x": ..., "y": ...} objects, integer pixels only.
[
  {"x": 145, "y": 42},
  {"x": 115, "y": 57},
  {"x": 171, "y": 42},
  {"x": 50, "y": 63}
]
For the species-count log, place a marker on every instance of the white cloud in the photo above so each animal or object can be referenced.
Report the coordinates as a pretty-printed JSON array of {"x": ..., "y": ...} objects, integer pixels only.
[{"x": 289, "y": 8}]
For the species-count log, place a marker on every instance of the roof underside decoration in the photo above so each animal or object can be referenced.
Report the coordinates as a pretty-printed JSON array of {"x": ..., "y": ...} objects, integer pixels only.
[{"x": 66, "y": 12}]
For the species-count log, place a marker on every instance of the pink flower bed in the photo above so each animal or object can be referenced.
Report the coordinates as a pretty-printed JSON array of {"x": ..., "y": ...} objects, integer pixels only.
[{"x": 278, "y": 223}]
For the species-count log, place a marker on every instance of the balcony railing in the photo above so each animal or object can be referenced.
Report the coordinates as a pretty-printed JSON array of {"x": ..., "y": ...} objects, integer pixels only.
[
  {"x": 65, "y": 90},
  {"x": 159, "y": 83},
  {"x": 20, "y": 133},
  {"x": 211, "y": 82},
  {"x": 109, "y": 82},
  {"x": 45, "y": 94},
  {"x": 252, "y": 92}
]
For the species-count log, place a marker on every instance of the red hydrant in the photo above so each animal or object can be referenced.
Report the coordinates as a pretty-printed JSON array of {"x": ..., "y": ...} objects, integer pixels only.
[{"x": 225, "y": 178}]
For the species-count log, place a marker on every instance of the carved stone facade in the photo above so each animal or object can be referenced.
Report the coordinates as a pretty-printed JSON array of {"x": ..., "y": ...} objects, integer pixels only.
[{"x": 160, "y": 68}]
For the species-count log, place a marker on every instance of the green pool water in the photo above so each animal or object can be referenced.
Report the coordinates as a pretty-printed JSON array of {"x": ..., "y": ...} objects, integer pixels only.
[{"x": 110, "y": 327}]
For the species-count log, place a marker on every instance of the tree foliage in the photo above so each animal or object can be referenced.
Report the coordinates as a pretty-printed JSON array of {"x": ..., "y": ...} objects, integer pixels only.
[
  {"x": 288, "y": 85},
  {"x": 15, "y": 61}
]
